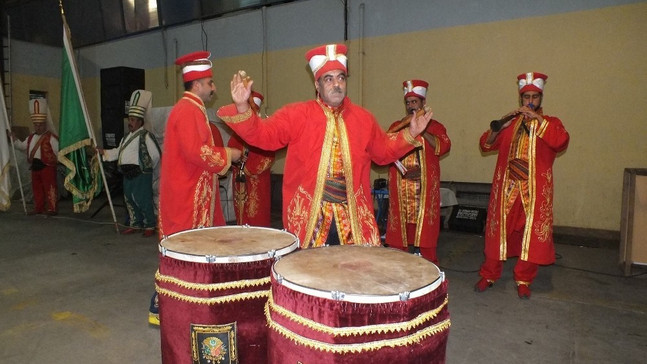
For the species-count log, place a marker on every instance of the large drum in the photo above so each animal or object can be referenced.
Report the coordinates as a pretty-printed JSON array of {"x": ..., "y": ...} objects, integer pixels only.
[
  {"x": 213, "y": 284},
  {"x": 357, "y": 304}
]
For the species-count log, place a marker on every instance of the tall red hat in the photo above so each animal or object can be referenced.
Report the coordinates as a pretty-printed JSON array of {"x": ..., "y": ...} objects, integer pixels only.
[
  {"x": 531, "y": 81},
  {"x": 416, "y": 88},
  {"x": 327, "y": 58},
  {"x": 195, "y": 66}
]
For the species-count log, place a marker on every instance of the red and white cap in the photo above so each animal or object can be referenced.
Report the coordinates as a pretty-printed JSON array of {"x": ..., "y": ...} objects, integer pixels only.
[
  {"x": 38, "y": 110},
  {"x": 327, "y": 58},
  {"x": 258, "y": 98},
  {"x": 195, "y": 66},
  {"x": 531, "y": 81},
  {"x": 416, "y": 88}
]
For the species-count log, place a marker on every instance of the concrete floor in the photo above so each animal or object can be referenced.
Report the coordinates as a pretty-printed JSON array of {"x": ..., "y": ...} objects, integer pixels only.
[{"x": 73, "y": 291}]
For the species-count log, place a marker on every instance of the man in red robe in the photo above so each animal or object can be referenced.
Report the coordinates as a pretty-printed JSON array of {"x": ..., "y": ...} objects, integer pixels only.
[
  {"x": 193, "y": 159},
  {"x": 41, "y": 147},
  {"x": 414, "y": 182},
  {"x": 251, "y": 180},
  {"x": 191, "y": 163},
  {"x": 520, "y": 212},
  {"x": 331, "y": 143}
]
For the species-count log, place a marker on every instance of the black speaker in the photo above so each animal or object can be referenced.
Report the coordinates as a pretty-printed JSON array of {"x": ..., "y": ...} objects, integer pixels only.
[
  {"x": 117, "y": 84},
  {"x": 468, "y": 218}
]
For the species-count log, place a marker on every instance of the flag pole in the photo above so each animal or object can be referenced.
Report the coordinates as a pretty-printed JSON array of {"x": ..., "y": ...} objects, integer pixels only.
[
  {"x": 13, "y": 146},
  {"x": 67, "y": 46},
  {"x": 13, "y": 152}
]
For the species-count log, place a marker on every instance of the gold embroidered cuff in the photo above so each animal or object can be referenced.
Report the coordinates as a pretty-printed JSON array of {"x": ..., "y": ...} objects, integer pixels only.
[
  {"x": 411, "y": 140},
  {"x": 237, "y": 118},
  {"x": 437, "y": 149},
  {"x": 227, "y": 166},
  {"x": 541, "y": 130}
]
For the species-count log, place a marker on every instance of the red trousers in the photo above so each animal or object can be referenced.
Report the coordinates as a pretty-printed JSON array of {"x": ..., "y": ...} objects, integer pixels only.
[
  {"x": 43, "y": 184},
  {"x": 524, "y": 271}
]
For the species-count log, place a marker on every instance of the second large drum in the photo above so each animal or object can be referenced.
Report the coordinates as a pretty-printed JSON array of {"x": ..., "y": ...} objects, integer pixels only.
[
  {"x": 213, "y": 284},
  {"x": 357, "y": 304}
]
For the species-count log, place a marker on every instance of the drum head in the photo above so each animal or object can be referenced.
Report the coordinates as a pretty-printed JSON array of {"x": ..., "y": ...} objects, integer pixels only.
[
  {"x": 357, "y": 270},
  {"x": 229, "y": 241}
]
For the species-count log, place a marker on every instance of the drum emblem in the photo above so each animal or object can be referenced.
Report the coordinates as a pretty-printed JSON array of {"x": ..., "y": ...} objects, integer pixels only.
[
  {"x": 213, "y": 349},
  {"x": 214, "y": 344}
]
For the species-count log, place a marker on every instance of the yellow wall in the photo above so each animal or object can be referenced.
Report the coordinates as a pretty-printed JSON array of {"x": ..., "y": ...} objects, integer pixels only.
[
  {"x": 597, "y": 81},
  {"x": 594, "y": 60}
]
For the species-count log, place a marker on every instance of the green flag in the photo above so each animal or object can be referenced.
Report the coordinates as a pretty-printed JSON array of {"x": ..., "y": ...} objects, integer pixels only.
[{"x": 82, "y": 175}]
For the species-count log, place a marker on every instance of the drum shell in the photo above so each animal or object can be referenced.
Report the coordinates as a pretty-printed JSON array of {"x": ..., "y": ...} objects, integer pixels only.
[
  {"x": 313, "y": 344},
  {"x": 213, "y": 284},
  {"x": 177, "y": 315}
]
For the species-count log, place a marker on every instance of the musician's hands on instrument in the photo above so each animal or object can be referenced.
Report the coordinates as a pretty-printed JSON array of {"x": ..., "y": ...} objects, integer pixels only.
[
  {"x": 529, "y": 113},
  {"x": 509, "y": 122},
  {"x": 419, "y": 123},
  {"x": 241, "y": 89}
]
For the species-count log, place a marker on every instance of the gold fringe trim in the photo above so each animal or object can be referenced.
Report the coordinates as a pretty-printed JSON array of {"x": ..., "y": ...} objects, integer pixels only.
[
  {"x": 211, "y": 286},
  {"x": 85, "y": 197},
  {"x": 212, "y": 300},
  {"x": 238, "y": 117},
  {"x": 354, "y": 330},
  {"x": 357, "y": 348}
]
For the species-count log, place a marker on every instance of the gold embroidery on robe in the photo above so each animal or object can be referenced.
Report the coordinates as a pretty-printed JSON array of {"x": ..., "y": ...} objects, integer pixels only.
[
  {"x": 213, "y": 159},
  {"x": 201, "y": 197},
  {"x": 253, "y": 200},
  {"x": 297, "y": 211},
  {"x": 543, "y": 227},
  {"x": 238, "y": 117}
]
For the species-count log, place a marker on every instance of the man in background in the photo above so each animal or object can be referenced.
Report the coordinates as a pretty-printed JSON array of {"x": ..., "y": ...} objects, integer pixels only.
[
  {"x": 41, "y": 147},
  {"x": 137, "y": 156},
  {"x": 414, "y": 182},
  {"x": 520, "y": 211}
]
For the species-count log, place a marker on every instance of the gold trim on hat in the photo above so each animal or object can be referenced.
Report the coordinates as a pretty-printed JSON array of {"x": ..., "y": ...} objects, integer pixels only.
[
  {"x": 38, "y": 118},
  {"x": 137, "y": 111}
]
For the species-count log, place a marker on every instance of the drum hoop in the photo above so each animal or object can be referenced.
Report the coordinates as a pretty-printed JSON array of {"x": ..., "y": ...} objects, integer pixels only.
[
  {"x": 359, "y": 298},
  {"x": 214, "y": 259}
]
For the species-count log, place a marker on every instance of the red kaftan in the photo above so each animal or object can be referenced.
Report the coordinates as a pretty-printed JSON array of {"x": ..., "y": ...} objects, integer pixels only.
[
  {"x": 307, "y": 129},
  {"x": 43, "y": 181},
  {"x": 427, "y": 215},
  {"x": 543, "y": 140},
  {"x": 252, "y": 198},
  {"x": 191, "y": 160}
]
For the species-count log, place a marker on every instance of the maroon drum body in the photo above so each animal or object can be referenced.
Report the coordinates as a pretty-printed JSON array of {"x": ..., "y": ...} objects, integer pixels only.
[
  {"x": 357, "y": 304},
  {"x": 213, "y": 284}
]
